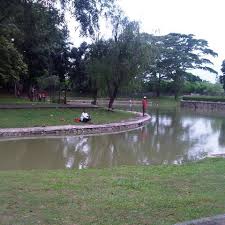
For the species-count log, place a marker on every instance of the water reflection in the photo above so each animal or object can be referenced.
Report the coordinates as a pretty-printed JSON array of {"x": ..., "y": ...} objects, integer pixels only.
[{"x": 172, "y": 137}]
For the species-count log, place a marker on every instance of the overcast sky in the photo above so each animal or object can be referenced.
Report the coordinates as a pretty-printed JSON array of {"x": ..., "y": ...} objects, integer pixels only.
[{"x": 203, "y": 18}]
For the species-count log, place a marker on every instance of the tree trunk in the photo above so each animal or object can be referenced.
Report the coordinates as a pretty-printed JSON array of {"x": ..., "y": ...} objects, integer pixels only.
[
  {"x": 112, "y": 97},
  {"x": 158, "y": 87},
  {"x": 111, "y": 100},
  {"x": 15, "y": 89},
  {"x": 177, "y": 85},
  {"x": 95, "y": 94},
  {"x": 176, "y": 95},
  {"x": 59, "y": 100},
  {"x": 65, "y": 96}
]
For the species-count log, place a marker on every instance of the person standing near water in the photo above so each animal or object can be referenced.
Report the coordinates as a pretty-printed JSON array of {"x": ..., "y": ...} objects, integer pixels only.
[{"x": 144, "y": 105}]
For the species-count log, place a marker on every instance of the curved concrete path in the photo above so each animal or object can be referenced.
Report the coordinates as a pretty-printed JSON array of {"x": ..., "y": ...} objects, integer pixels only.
[
  {"x": 139, "y": 121},
  {"x": 216, "y": 220}
]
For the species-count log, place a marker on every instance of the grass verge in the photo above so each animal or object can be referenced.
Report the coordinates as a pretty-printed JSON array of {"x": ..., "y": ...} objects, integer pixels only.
[
  {"x": 9, "y": 99},
  {"x": 50, "y": 117},
  {"x": 127, "y": 195},
  {"x": 167, "y": 101}
]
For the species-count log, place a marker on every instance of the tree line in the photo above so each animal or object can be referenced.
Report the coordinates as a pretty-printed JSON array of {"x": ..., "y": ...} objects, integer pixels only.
[{"x": 35, "y": 51}]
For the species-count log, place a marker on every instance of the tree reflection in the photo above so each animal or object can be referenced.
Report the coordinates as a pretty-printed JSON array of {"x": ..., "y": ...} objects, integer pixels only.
[
  {"x": 170, "y": 137},
  {"x": 165, "y": 140},
  {"x": 222, "y": 134}
]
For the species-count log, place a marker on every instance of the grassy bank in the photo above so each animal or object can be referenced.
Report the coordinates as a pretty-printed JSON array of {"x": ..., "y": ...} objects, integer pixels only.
[
  {"x": 127, "y": 195},
  {"x": 9, "y": 99},
  {"x": 161, "y": 101},
  {"x": 51, "y": 117},
  {"x": 167, "y": 101}
]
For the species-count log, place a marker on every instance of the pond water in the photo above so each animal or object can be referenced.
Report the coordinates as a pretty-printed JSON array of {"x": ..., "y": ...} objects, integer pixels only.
[{"x": 173, "y": 136}]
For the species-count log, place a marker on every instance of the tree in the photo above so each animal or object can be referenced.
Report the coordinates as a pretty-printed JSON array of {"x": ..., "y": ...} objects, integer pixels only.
[
  {"x": 78, "y": 66},
  {"x": 179, "y": 53},
  {"x": 40, "y": 32},
  {"x": 12, "y": 66},
  {"x": 222, "y": 77},
  {"x": 97, "y": 67},
  {"x": 127, "y": 57}
]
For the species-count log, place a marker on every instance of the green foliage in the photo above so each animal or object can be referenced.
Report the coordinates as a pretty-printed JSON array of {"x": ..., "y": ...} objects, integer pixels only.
[
  {"x": 115, "y": 63},
  {"x": 40, "y": 35},
  {"x": 78, "y": 68},
  {"x": 12, "y": 66},
  {"x": 204, "y": 87},
  {"x": 222, "y": 77},
  {"x": 48, "y": 82},
  {"x": 177, "y": 54}
]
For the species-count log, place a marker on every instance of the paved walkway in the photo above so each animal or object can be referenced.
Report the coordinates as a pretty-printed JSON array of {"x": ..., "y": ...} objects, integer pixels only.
[{"x": 216, "y": 220}]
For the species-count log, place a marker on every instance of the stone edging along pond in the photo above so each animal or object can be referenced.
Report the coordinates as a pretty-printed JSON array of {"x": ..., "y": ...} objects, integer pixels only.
[
  {"x": 203, "y": 105},
  {"x": 77, "y": 129}
]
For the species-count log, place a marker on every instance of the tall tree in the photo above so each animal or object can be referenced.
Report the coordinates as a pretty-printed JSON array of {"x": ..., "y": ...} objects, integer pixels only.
[
  {"x": 97, "y": 67},
  {"x": 78, "y": 65},
  {"x": 40, "y": 34},
  {"x": 222, "y": 77},
  {"x": 127, "y": 57},
  {"x": 12, "y": 65},
  {"x": 86, "y": 12},
  {"x": 179, "y": 53}
]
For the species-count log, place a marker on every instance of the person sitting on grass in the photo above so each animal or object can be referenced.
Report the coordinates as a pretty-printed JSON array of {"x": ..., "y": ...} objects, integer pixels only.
[{"x": 85, "y": 117}]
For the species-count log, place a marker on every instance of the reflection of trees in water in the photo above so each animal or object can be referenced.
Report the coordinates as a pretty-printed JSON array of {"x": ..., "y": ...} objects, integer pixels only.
[
  {"x": 218, "y": 125},
  {"x": 165, "y": 140},
  {"x": 75, "y": 152},
  {"x": 31, "y": 154},
  {"x": 169, "y": 138},
  {"x": 222, "y": 134}
]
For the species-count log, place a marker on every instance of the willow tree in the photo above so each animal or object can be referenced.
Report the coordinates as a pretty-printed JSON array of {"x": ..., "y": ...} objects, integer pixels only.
[{"x": 126, "y": 58}]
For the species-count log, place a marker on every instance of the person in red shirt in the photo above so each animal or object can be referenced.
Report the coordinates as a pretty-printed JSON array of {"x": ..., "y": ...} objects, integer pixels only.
[{"x": 144, "y": 105}]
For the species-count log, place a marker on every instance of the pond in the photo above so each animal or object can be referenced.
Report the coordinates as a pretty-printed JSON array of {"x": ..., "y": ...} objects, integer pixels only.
[{"x": 173, "y": 136}]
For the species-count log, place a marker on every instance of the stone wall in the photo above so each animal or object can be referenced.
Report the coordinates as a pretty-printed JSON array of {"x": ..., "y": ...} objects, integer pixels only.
[
  {"x": 203, "y": 105},
  {"x": 76, "y": 129}
]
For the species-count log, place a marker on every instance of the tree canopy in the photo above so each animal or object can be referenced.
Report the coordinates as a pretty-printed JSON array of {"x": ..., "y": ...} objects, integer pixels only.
[
  {"x": 35, "y": 51},
  {"x": 178, "y": 54},
  {"x": 222, "y": 77}
]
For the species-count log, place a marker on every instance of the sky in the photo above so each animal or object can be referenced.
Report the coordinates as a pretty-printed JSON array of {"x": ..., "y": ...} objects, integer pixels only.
[{"x": 203, "y": 18}]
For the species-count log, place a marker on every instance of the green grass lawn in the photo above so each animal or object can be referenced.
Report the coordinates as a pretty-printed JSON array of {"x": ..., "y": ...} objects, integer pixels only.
[
  {"x": 161, "y": 101},
  {"x": 9, "y": 99},
  {"x": 50, "y": 117},
  {"x": 167, "y": 101},
  {"x": 158, "y": 195}
]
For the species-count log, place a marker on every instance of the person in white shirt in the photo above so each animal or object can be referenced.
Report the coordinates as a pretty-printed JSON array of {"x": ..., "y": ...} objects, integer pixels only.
[{"x": 85, "y": 117}]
